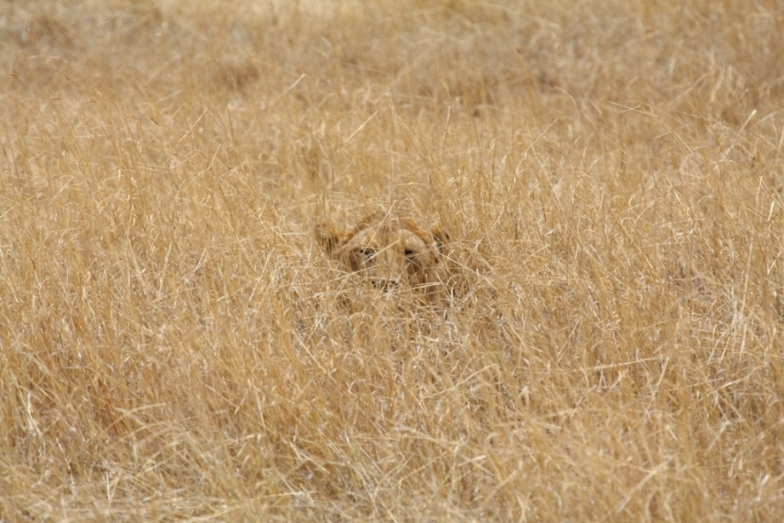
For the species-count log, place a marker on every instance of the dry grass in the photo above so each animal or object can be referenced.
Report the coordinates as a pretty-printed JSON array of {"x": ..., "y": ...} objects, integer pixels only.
[{"x": 175, "y": 346}]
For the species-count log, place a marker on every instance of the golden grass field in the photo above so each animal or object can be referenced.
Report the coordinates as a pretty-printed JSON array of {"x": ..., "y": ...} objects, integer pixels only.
[{"x": 175, "y": 346}]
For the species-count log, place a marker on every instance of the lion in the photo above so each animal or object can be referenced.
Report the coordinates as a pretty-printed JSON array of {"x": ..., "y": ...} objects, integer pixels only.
[{"x": 389, "y": 251}]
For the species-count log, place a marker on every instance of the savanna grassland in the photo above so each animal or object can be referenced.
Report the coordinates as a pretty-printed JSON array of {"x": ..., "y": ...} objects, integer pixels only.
[{"x": 174, "y": 345}]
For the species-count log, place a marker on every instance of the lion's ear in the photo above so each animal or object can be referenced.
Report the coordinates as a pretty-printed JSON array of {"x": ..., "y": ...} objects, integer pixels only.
[
  {"x": 329, "y": 238},
  {"x": 441, "y": 239}
]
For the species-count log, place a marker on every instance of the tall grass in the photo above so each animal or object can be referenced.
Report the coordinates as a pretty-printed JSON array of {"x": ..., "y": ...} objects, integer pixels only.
[{"x": 174, "y": 345}]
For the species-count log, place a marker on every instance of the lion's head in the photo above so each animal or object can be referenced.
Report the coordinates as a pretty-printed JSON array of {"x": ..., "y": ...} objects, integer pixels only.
[{"x": 388, "y": 250}]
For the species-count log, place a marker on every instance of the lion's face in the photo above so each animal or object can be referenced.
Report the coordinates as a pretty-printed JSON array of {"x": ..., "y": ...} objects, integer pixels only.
[{"x": 387, "y": 250}]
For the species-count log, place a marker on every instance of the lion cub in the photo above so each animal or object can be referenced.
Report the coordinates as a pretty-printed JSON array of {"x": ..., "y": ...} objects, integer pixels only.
[{"x": 389, "y": 251}]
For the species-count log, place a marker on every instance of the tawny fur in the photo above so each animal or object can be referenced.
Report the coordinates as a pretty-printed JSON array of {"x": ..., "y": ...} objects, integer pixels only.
[{"x": 389, "y": 251}]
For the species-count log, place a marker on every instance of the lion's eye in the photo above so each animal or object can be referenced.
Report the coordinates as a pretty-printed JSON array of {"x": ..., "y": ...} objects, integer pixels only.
[
  {"x": 409, "y": 253},
  {"x": 368, "y": 253}
]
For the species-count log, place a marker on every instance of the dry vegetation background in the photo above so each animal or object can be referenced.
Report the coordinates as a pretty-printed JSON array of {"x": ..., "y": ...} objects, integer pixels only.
[{"x": 174, "y": 346}]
